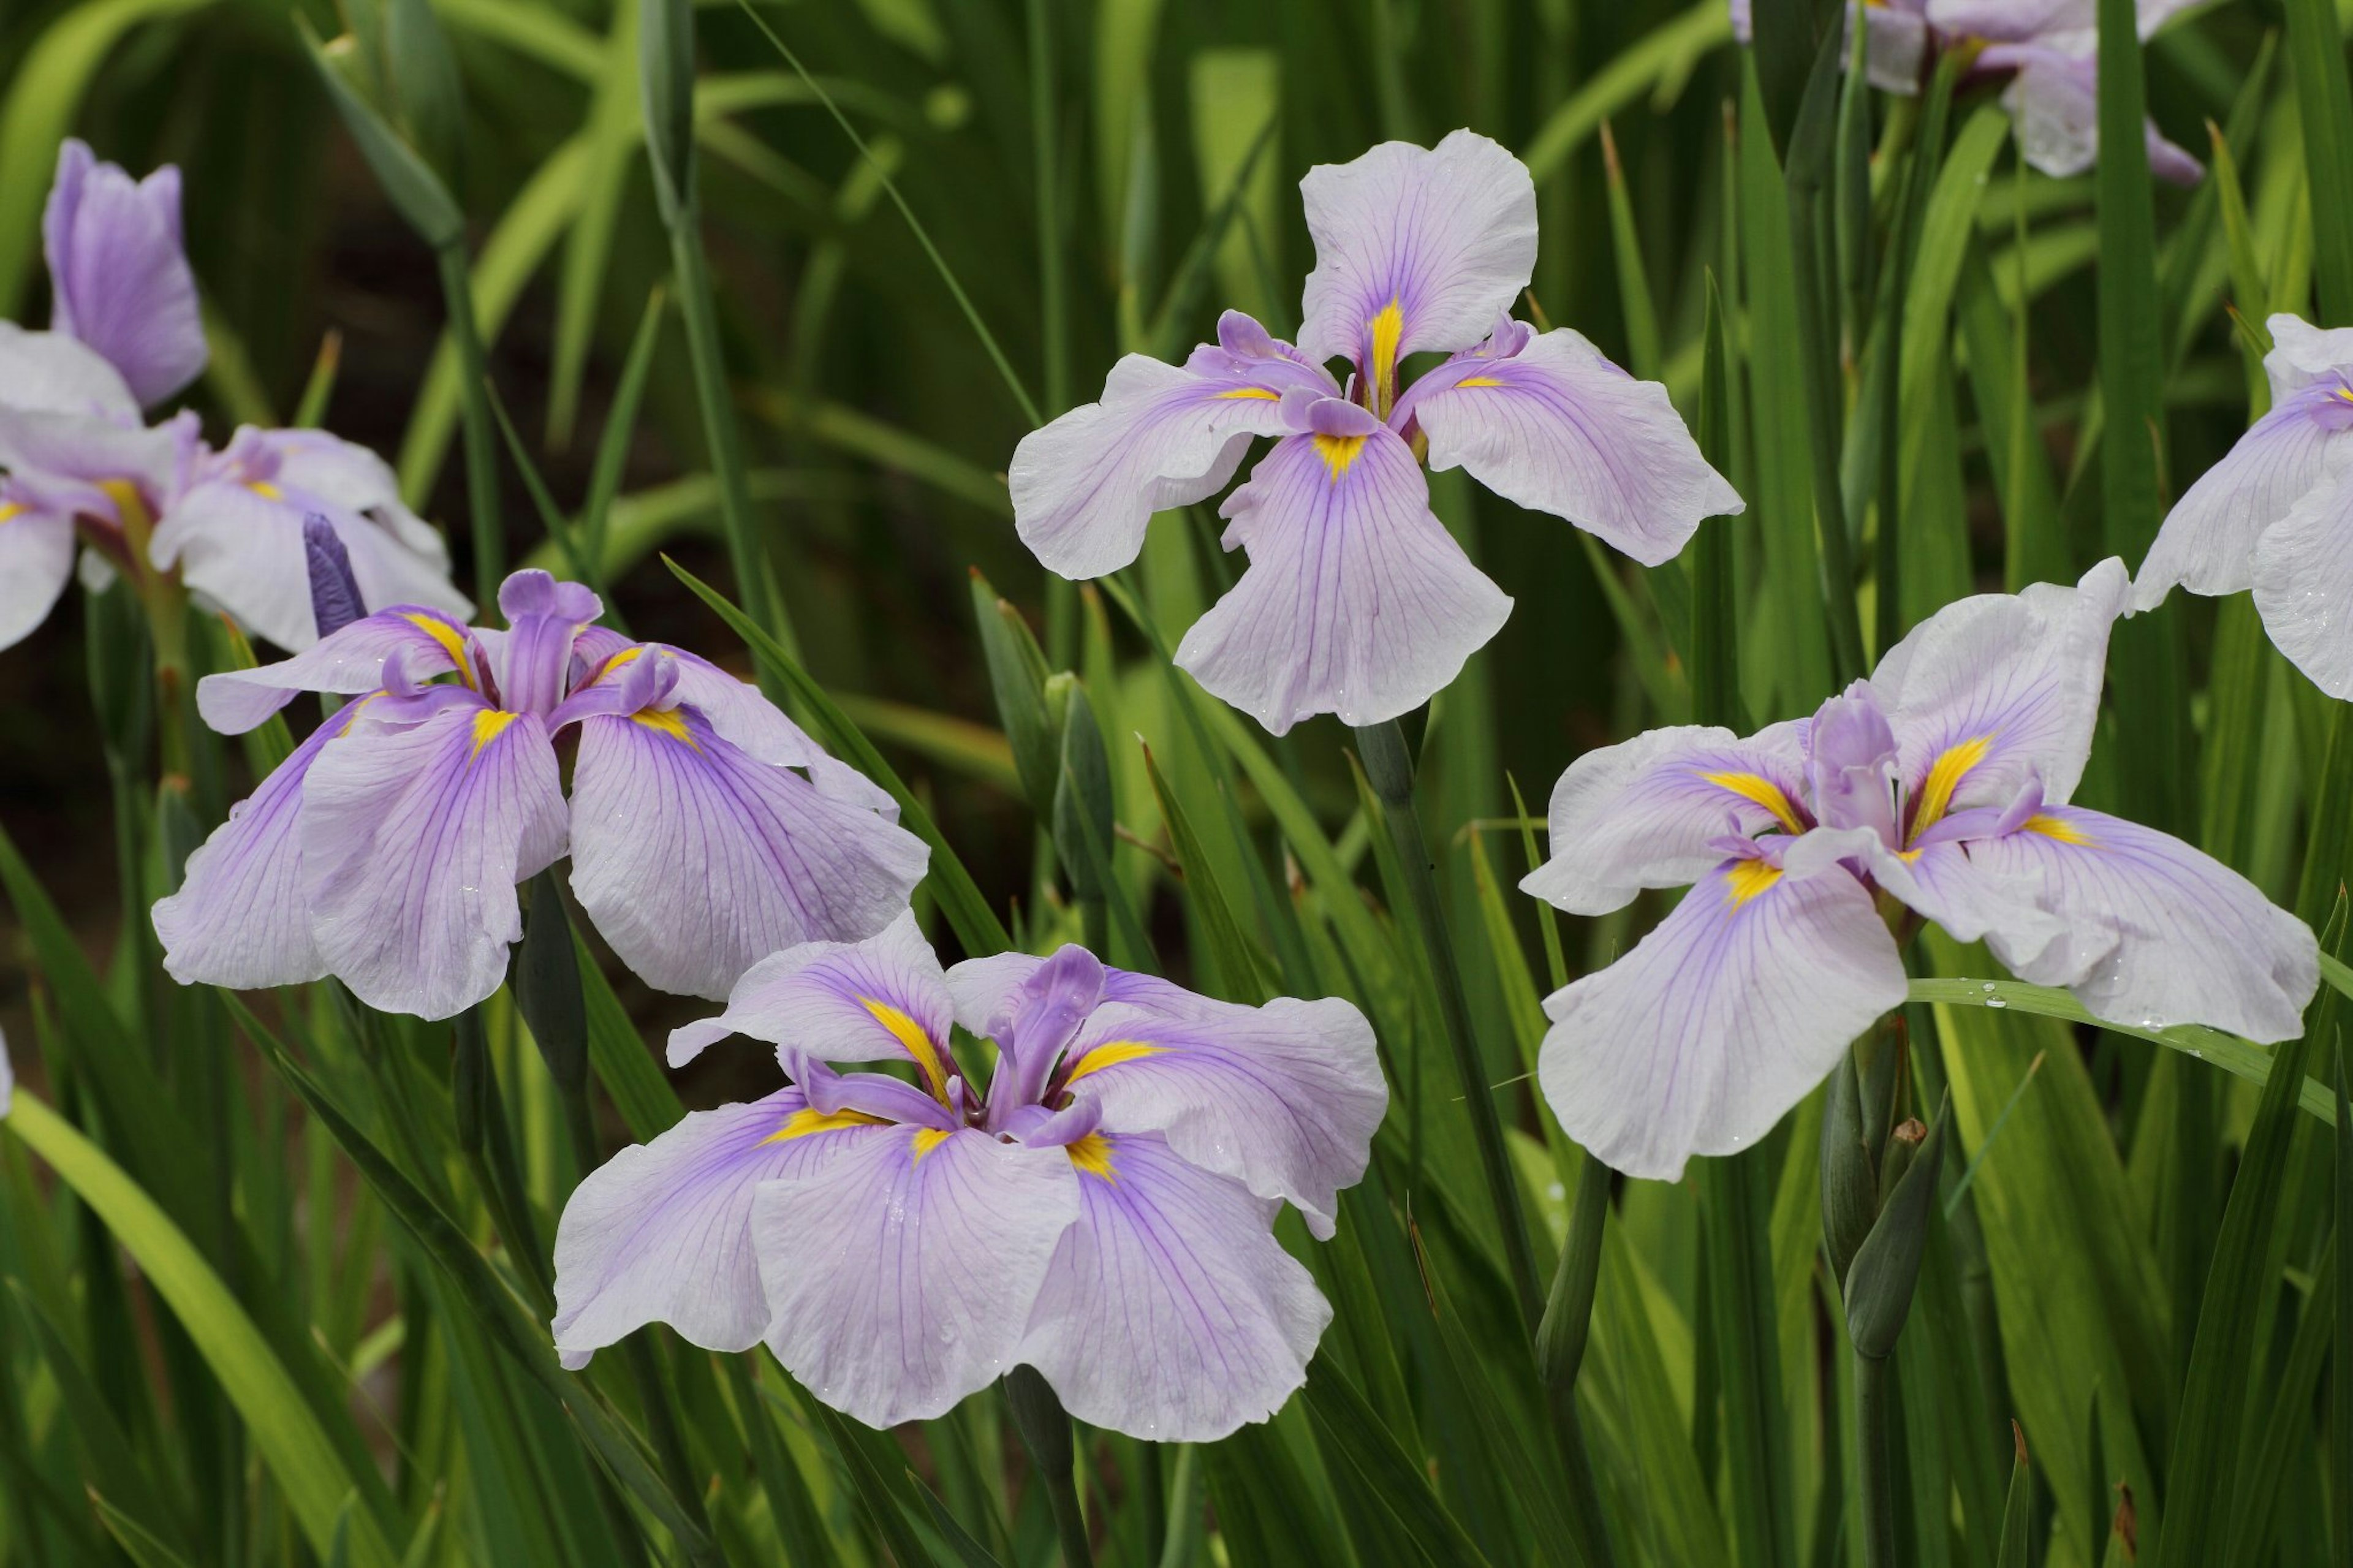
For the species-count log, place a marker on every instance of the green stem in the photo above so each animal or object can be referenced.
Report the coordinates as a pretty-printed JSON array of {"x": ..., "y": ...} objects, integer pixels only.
[
  {"x": 1046, "y": 1428},
  {"x": 481, "y": 428},
  {"x": 1388, "y": 769},
  {"x": 1819, "y": 360},
  {"x": 1569, "y": 1313},
  {"x": 1877, "y": 1501}
]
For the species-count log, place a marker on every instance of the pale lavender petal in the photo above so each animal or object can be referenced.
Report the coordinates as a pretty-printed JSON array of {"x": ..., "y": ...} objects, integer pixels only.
[
  {"x": 544, "y": 617},
  {"x": 1085, "y": 485},
  {"x": 2305, "y": 356},
  {"x": 2208, "y": 543},
  {"x": 1170, "y": 1312},
  {"x": 1722, "y": 1018},
  {"x": 36, "y": 556},
  {"x": 1284, "y": 1099},
  {"x": 1852, "y": 764},
  {"x": 662, "y": 1232},
  {"x": 902, "y": 1270},
  {"x": 1971, "y": 900},
  {"x": 348, "y": 662},
  {"x": 118, "y": 281},
  {"x": 1356, "y": 601},
  {"x": 1555, "y": 427},
  {"x": 1992, "y": 691},
  {"x": 49, "y": 373},
  {"x": 696, "y": 861},
  {"x": 1646, "y": 813},
  {"x": 413, "y": 842},
  {"x": 2157, "y": 932},
  {"x": 2054, "y": 100},
  {"x": 985, "y": 988},
  {"x": 884, "y": 999},
  {"x": 2304, "y": 584},
  {"x": 100, "y": 456},
  {"x": 1415, "y": 248}
]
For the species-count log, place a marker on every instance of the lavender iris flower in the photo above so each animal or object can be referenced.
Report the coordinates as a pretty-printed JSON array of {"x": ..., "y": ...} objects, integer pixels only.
[
  {"x": 119, "y": 279},
  {"x": 1102, "y": 1214},
  {"x": 2276, "y": 513},
  {"x": 1356, "y": 600},
  {"x": 2047, "y": 48},
  {"x": 1938, "y": 789},
  {"x": 706, "y": 830}
]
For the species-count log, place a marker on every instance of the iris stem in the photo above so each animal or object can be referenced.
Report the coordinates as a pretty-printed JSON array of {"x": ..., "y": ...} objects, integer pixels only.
[
  {"x": 1045, "y": 1429},
  {"x": 1871, "y": 1461},
  {"x": 1569, "y": 1313},
  {"x": 481, "y": 430}
]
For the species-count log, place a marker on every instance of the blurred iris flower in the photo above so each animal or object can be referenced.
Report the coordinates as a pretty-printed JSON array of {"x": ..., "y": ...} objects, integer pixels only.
[
  {"x": 1102, "y": 1213},
  {"x": 706, "y": 830},
  {"x": 1357, "y": 601},
  {"x": 1936, "y": 789},
  {"x": 76, "y": 457},
  {"x": 2276, "y": 513},
  {"x": 2047, "y": 48}
]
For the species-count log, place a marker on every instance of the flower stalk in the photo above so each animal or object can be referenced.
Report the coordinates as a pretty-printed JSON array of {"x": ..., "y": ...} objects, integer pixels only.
[{"x": 1046, "y": 1430}]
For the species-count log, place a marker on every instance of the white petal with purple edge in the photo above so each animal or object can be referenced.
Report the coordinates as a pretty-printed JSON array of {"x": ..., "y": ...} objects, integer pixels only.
[
  {"x": 1556, "y": 428},
  {"x": 1721, "y": 1019},
  {"x": 2302, "y": 354},
  {"x": 2304, "y": 584},
  {"x": 1356, "y": 601},
  {"x": 2208, "y": 543},
  {"x": 36, "y": 556},
  {"x": 902, "y": 1271},
  {"x": 884, "y": 999},
  {"x": 413, "y": 842},
  {"x": 1171, "y": 1313}
]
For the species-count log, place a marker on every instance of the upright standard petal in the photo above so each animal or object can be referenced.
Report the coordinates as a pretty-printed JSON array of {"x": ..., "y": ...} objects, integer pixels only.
[
  {"x": 49, "y": 373},
  {"x": 2305, "y": 356},
  {"x": 2207, "y": 542},
  {"x": 1646, "y": 813},
  {"x": 1357, "y": 601},
  {"x": 118, "y": 277},
  {"x": 1415, "y": 248},
  {"x": 1284, "y": 1099},
  {"x": 414, "y": 839},
  {"x": 697, "y": 861},
  {"x": 2158, "y": 933},
  {"x": 661, "y": 1233},
  {"x": 1719, "y": 1020},
  {"x": 1085, "y": 485},
  {"x": 1546, "y": 421},
  {"x": 36, "y": 556},
  {"x": 348, "y": 662},
  {"x": 884, "y": 999},
  {"x": 902, "y": 1270},
  {"x": 1170, "y": 1312},
  {"x": 2304, "y": 584}
]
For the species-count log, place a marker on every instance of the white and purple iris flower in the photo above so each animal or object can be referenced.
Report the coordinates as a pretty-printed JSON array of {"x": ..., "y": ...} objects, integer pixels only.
[
  {"x": 706, "y": 830},
  {"x": 1356, "y": 600},
  {"x": 2046, "y": 48},
  {"x": 1936, "y": 789},
  {"x": 77, "y": 462},
  {"x": 1102, "y": 1213},
  {"x": 2276, "y": 513}
]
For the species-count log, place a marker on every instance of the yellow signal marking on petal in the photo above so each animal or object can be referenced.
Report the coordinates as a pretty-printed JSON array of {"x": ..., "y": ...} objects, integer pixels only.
[
  {"x": 1757, "y": 787},
  {"x": 1110, "y": 1054},
  {"x": 489, "y": 724},
  {"x": 452, "y": 641},
  {"x": 1338, "y": 452},
  {"x": 1476, "y": 381},
  {"x": 1749, "y": 878},
  {"x": 2347, "y": 395},
  {"x": 928, "y": 1139},
  {"x": 1091, "y": 1154},
  {"x": 2057, "y": 827},
  {"x": 807, "y": 1119},
  {"x": 265, "y": 489},
  {"x": 917, "y": 1042},
  {"x": 1388, "y": 328},
  {"x": 123, "y": 494},
  {"x": 666, "y": 722},
  {"x": 1944, "y": 775},
  {"x": 9, "y": 509},
  {"x": 1252, "y": 391}
]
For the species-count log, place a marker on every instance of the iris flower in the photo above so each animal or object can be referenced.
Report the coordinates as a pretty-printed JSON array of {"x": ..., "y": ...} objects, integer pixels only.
[
  {"x": 706, "y": 830},
  {"x": 77, "y": 459},
  {"x": 1102, "y": 1213},
  {"x": 1357, "y": 601},
  {"x": 2047, "y": 48},
  {"x": 1938, "y": 789},
  {"x": 2276, "y": 513}
]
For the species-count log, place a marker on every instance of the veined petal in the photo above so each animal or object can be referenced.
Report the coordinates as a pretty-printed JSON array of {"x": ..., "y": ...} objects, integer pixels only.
[
  {"x": 49, "y": 373},
  {"x": 902, "y": 1270},
  {"x": 1992, "y": 691},
  {"x": 413, "y": 841},
  {"x": 1555, "y": 427},
  {"x": 2303, "y": 355},
  {"x": 36, "y": 556},
  {"x": 118, "y": 277},
  {"x": 2208, "y": 543},
  {"x": 2157, "y": 932},
  {"x": 1415, "y": 248},
  {"x": 662, "y": 1232},
  {"x": 2304, "y": 584},
  {"x": 1284, "y": 1099},
  {"x": 884, "y": 999},
  {"x": 1170, "y": 1312},
  {"x": 697, "y": 861},
  {"x": 348, "y": 662},
  {"x": 1723, "y": 1017},
  {"x": 985, "y": 989},
  {"x": 1356, "y": 601},
  {"x": 1645, "y": 812},
  {"x": 1085, "y": 485}
]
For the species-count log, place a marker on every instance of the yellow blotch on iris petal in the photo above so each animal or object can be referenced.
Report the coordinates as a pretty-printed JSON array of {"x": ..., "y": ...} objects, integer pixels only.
[
  {"x": 807, "y": 1119},
  {"x": 1763, "y": 791},
  {"x": 1944, "y": 775},
  {"x": 1749, "y": 878},
  {"x": 1091, "y": 1155},
  {"x": 917, "y": 1043},
  {"x": 665, "y": 722},
  {"x": 490, "y": 723},
  {"x": 928, "y": 1139},
  {"x": 1476, "y": 381},
  {"x": 265, "y": 489},
  {"x": 1338, "y": 452},
  {"x": 9, "y": 509},
  {"x": 2057, "y": 827},
  {"x": 1388, "y": 328},
  {"x": 1250, "y": 391},
  {"x": 452, "y": 641},
  {"x": 1110, "y": 1054}
]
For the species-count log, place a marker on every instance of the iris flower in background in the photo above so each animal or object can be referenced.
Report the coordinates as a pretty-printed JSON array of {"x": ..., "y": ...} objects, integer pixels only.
[
  {"x": 77, "y": 459},
  {"x": 2276, "y": 513},
  {"x": 1936, "y": 789},
  {"x": 1356, "y": 600},
  {"x": 1102, "y": 1213},
  {"x": 2046, "y": 48},
  {"x": 706, "y": 830}
]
